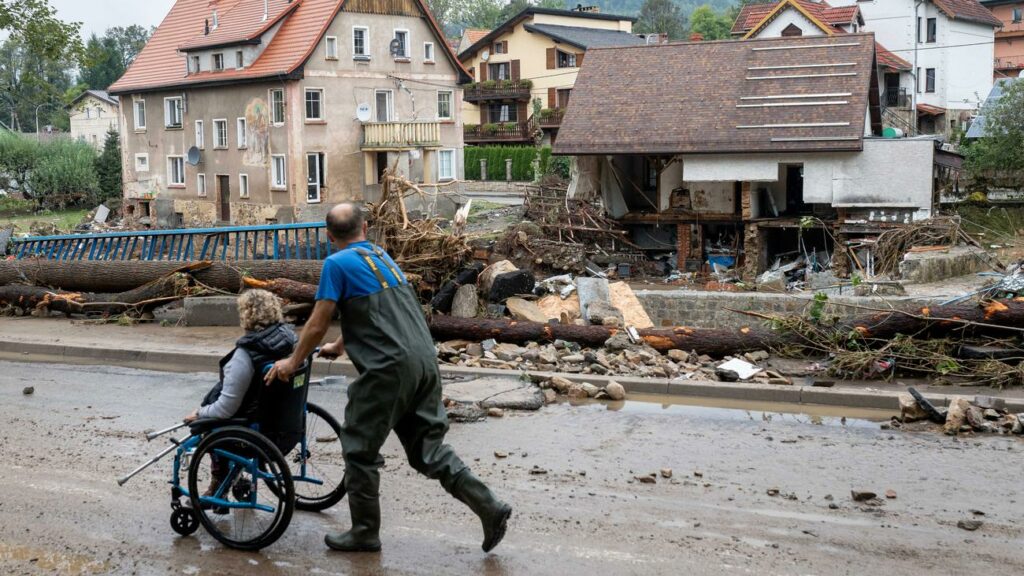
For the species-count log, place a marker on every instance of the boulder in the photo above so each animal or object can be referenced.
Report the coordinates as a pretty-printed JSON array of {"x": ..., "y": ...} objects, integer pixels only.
[
  {"x": 560, "y": 384},
  {"x": 465, "y": 304},
  {"x": 598, "y": 311},
  {"x": 486, "y": 278},
  {"x": 956, "y": 416},
  {"x": 525, "y": 310},
  {"x": 508, "y": 352},
  {"x": 910, "y": 410},
  {"x": 678, "y": 356},
  {"x": 510, "y": 284},
  {"x": 615, "y": 391},
  {"x": 576, "y": 391},
  {"x": 590, "y": 389}
]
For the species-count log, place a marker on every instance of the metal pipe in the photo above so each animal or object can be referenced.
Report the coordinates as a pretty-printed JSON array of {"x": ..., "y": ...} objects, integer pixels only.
[
  {"x": 159, "y": 433},
  {"x": 154, "y": 460}
]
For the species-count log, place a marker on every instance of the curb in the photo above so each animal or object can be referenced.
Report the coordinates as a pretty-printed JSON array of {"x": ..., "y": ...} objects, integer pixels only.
[{"x": 204, "y": 362}]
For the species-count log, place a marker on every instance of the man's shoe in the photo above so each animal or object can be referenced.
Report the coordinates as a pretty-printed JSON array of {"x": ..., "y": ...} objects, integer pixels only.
[
  {"x": 493, "y": 513},
  {"x": 365, "y": 533}
]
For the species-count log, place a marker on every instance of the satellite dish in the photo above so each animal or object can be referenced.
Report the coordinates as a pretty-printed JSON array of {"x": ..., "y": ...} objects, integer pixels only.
[
  {"x": 193, "y": 156},
  {"x": 396, "y": 48},
  {"x": 485, "y": 55},
  {"x": 414, "y": 154},
  {"x": 363, "y": 112}
]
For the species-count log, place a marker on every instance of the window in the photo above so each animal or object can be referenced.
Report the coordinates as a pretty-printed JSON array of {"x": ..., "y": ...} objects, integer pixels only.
[
  {"x": 403, "y": 43},
  {"x": 220, "y": 134},
  {"x": 140, "y": 114},
  {"x": 316, "y": 175},
  {"x": 502, "y": 113},
  {"x": 201, "y": 184},
  {"x": 195, "y": 64},
  {"x": 562, "y": 97},
  {"x": 218, "y": 62},
  {"x": 501, "y": 47},
  {"x": 1018, "y": 15},
  {"x": 918, "y": 33},
  {"x": 932, "y": 30},
  {"x": 314, "y": 104},
  {"x": 239, "y": 60},
  {"x": 172, "y": 112},
  {"x": 176, "y": 171},
  {"x": 917, "y": 81},
  {"x": 444, "y": 105},
  {"x": 278, "y": 176},
  {"x": 446, "y": 164},
  {"x": 360, "y": 43},
  {"x": 331, "y": 44},
  {"x": 142, "y": 162},
  {"x": 200, "y": 136},
  {"x": 929, "y": 80},
  {"x": 88, "y": 113},
  {"x": 385, "y": 105},
  {"x": 428, "y": 51},
  {"x": 566, "y": 60},
  {"x": 243, "y": 185},
  {"x": 242, "y": 137},
  {"x": 792, "y": 30},
  {"x": 277, "y": 106},
  {"x": 502, "y": 71}
]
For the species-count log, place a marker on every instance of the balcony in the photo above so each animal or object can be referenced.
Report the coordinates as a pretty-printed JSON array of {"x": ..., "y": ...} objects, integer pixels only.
[
  {"x": 400, "y": 135},
  {"x": 1009, "y": 63},
  {"x": 497, "y": 90},
  {"x": 504, "y": 132},
  {"x": 551, "y": 117},
  {"x": 895, "y": 97}
]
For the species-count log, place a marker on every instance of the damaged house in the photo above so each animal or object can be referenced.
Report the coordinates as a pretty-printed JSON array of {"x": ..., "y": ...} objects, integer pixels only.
[{"x": 741, "y": 153}]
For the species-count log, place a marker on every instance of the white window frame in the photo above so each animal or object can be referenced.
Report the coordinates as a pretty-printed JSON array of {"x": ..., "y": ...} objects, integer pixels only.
[
  {"x": 428, "y": 51},
  {"x": 322, "y": 165},
  {"x": 213, "y": 61},
  {"x": 242, "y": 136},
  {"x": 273, "y": 108},
  {"x": 196, "y": 64},
  {"x": 408, "y": 40},
  {"x": 138, "y": 105},
  {"x": 201, "y": 185},
  {"x": 365, "y": 55},
  {"x": 278, "y": 175},
  {"x": 239, "y": 59},
  {"x": 441, "y": 176},
  {"x": 181, "y": 113},
  {"x": 144, "y": 166},
  {"x": 243, "y": 185},
  {"x": 391, "y": 106},
  {"x": 217, "y": 145},
  {"x": 305, "y": 109},
  {"x": 330, "y": 41},
  {"x": 171, "y": 182},
  {"x": 200, "y": 135},
  {"x": 451, "y": 104}
]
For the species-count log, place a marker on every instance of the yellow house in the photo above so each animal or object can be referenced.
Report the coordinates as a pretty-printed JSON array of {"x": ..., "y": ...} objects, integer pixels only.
[{"x": 535, "y": 55}]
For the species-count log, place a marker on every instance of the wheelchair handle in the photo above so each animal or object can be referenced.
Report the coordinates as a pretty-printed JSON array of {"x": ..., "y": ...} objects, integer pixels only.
[{"x": 159, "y": 433}]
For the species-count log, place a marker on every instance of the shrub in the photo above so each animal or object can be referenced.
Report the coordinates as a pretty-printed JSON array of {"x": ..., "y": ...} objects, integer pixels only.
[
  {"x": 65, "y": 175},
  {"x": 489, "y": 84},
  {"x": 491, "y": 129},
  {"x": 522, "y": 161},
  {"x": 15, "y": 206}
]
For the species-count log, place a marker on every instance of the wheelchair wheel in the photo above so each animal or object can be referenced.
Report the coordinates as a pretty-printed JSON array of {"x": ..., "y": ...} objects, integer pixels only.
[
  {"x": 184, "y": 521},
  {"x": 248, "y": 460},
  {"x": 318, "y": 473}
]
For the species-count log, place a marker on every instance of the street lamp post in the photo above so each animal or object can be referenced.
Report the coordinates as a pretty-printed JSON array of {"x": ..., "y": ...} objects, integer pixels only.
[{"x": 37, "y": 115}]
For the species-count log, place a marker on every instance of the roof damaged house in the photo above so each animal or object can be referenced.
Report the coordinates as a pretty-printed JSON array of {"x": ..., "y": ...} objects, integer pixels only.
[{"x": 742, "y": 152}]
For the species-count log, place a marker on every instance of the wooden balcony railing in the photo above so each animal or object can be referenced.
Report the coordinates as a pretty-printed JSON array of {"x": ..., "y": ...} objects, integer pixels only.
[
  {"x": 384, "y": 135},
  {"x": 551, "y": 117},
  {"x": 497, "y": 90},
  {"x": 504, "y": 132}
]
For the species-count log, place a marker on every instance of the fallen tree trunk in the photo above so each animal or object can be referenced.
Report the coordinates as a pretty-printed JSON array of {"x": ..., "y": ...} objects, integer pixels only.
[
  {"x": 171, "y": 287},
  {"x": 290, "y": 290},
  {"x": 118, "y": 276}
]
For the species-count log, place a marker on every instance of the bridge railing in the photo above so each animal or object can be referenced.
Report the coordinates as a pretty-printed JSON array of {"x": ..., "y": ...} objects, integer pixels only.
[{"x": 304, "y": 241}]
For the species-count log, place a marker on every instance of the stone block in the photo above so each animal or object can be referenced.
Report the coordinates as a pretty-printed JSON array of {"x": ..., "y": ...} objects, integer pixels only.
[{"x": 211, "y": 311}]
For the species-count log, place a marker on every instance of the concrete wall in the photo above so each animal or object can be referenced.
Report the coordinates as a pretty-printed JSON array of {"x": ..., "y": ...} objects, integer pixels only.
[
  {"x": 928, "y": 267},
  {"x": 91, "y": 118}
]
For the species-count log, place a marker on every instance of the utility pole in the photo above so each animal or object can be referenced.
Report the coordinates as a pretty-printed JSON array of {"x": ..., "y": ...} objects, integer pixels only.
[
  {"x": 916, "y": 25},
  {"x": 37, "y": 116}
]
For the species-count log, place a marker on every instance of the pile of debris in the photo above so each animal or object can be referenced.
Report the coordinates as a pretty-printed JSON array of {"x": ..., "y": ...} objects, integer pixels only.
[{"x": 984, "y": 414}]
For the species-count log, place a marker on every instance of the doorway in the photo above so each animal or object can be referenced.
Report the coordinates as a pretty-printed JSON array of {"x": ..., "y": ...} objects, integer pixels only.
[{"x": 224, "y": 196}]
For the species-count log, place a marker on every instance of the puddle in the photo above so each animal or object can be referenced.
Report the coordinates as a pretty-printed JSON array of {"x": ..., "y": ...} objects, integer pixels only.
[
  {"x": 52, "y": 562},
  {"x": 725, "y": 409}
]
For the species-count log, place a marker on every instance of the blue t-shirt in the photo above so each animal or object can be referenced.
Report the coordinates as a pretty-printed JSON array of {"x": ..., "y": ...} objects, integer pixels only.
[{"x": 346, "y": 274}]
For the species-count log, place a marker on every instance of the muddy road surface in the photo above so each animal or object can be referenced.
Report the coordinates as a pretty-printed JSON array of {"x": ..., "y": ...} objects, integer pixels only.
[{"x": 751, "y": 492}]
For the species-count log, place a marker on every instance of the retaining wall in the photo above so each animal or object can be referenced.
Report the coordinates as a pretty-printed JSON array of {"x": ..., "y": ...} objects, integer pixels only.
[{"x": 927, "y": 267}]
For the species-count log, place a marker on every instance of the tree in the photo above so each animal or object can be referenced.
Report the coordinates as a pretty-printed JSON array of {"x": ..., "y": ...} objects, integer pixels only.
[
  {"x": 32, "y": 81},
  {"x": 485, "y": 14},
  {"x": 710, "y": 24},
  {"x": 108, "y": 167},
  {"x": 1002, "y": 147},
  {"x": 661, "y": 17},
  {"x": 35, "y": 22},
  {"x": 107, "y": 57}
]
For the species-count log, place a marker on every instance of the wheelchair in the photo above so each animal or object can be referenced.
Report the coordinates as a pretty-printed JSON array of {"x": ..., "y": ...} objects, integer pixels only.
[{"x": 254, "y": 492}]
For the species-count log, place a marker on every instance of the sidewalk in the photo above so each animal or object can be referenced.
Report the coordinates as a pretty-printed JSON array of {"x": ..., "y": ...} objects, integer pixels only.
[{"x": 198, "y": 349}]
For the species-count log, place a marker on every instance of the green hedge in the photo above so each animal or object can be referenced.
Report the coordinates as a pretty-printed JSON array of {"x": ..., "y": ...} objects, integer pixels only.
[
  {"x": 53, "y": 174},
  {"x": 522, "y": 161}
]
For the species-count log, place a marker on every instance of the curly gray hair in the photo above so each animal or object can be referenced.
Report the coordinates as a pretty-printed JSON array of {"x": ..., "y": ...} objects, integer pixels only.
[{"x": 258, "y": 309}]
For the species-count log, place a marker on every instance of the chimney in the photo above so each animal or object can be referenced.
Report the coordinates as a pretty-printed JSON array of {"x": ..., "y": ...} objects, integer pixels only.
[
  {"x": 696, "y": 37},
  {"x": 266, "y": 10}
]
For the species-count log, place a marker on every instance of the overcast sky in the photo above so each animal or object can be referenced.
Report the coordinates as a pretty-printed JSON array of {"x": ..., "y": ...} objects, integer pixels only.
[{"x": 98, "y": 15}]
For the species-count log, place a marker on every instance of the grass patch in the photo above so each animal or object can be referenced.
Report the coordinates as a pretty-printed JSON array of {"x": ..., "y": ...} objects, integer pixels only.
[{"x": 64, "y": 220}]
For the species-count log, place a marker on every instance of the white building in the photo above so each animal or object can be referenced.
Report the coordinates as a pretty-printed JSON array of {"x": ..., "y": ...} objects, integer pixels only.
[
  {"x": 93, "y": 114},
  {"x": 950, "y": 44}
]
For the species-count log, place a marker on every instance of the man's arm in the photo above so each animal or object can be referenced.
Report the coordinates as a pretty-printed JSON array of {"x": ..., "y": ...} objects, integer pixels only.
[{"x": 312, "y": 334}]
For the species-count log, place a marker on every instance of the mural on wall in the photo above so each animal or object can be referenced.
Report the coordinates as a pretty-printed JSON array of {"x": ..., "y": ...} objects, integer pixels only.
[{"x": 257, "y": 122}]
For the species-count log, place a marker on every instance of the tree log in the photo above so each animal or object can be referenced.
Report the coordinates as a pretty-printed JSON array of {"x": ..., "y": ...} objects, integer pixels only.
[
  {"x": 118, "y": 276},
  {"x": 163, "y": 290},
  {"x": 290, "y": 290}
]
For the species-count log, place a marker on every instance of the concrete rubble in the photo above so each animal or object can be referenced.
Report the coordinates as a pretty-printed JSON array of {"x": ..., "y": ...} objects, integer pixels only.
[{"x": 980, "y": 415}]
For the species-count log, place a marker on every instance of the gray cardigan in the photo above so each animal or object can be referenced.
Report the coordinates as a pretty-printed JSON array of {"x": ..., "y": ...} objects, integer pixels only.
[{"x": 238, "y": 373}]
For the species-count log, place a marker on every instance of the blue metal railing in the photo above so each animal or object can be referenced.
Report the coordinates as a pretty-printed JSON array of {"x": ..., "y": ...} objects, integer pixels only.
[{"x": 305, "y": 241}]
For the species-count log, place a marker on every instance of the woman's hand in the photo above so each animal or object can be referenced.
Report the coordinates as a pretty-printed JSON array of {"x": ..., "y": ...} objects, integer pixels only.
[
  {"x": 192, "y": 417},
  {"x": 332, "y": 350}
]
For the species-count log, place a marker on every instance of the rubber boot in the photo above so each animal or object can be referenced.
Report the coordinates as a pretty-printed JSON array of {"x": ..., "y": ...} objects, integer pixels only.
[
  {"x": 493, "y": 513},
  {"x": 365, "y": 533}
]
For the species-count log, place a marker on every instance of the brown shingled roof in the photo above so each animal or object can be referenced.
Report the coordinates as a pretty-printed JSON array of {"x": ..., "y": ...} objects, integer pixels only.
[
  {"x": 238, "y": 21},
  {"x": 752, "y": 14},
  {"x": 722, "y": 97},
  {"x": 969, "y": 10}
]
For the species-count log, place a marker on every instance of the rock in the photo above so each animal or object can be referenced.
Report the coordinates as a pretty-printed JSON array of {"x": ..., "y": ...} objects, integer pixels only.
[
  {"x": 615, "y": 391},
  {"x": 862, "y": 495},
  {"x": 550, "y": 396},
  {"x": 773, "y": 492},
  {"x": 475, "y": 350},
  {"x": 976, "y": 418},
  {"x": 890, "y": 494},
  {"x": 576, "y": 391},
  {"x": 508, "y": 352},
  {"x": 495, "y": 412},
  {"x": 666, "y": 473},
  {"x": 574, "y": 358},
  {"x": 489, "y": 344},
  {"x": 756, "y": 356},
  {"x": 500, "y": 455},
  {"x": 619, "y": 341},
  {"x": 647, "y": 479},
  {"x": 497, "y": 364},
  {"x": 486, "y": 278},
  {"x": 28, "y": 390},
  {"x": 989, "y": 402},
  {"x": 446, "y": 351},
  {"x": 548, "y": 356},
  {"x": 1018, "y": 424},
  {"x": 969, "y": 525},
  {"x": 956, "y": 415},
  {"x": 590, "y": 389},
  {"x": 678, "y": 355},
  {"x": 510, "y": 284},
  {"x": 525, "y": 310},
  {"x": 726, "y": 375},
  {"x": 537, "y": 470},
  {"x": 991, "y": 414},
  {"x": 598, "y": 312},
  {"x": 910, "y": 410},
  {"x": 560, "y": 384},
  {"x": 833, "y": 506},
  {"x": 465, "y": 304}
]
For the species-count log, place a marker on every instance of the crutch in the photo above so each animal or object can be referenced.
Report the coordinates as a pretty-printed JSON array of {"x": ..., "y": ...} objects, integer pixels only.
[
  {"x": 159, "y": 433},
  {"x": 154, "y": 460}
]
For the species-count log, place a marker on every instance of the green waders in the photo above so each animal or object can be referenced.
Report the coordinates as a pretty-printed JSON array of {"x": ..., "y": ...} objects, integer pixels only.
[{"x": 398, "y": 388}]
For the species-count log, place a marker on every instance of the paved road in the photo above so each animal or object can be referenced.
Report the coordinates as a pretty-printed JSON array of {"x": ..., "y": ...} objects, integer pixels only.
[{"x": 62, "y": 513}]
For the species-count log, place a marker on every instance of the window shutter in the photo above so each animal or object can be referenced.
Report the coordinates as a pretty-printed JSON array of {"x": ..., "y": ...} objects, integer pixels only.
[
  {"x": 579, "y": 59},
  {"x": 504, "y": 46},
  {"x": 552, "y": 58},
  {"x": 515, "y": 69},
  {"x": 521, "y": 112},
  {"x": 552, "y": 98},
  {"x": 483, "y": 72}
]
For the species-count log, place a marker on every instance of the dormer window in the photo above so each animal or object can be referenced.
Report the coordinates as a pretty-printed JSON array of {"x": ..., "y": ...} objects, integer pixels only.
[
  {"x": 218, "y": 62},
  {"x": 239, "y": 59},
  {"x": 195, "y": 64},
  {"x": 215, "y": 21}
]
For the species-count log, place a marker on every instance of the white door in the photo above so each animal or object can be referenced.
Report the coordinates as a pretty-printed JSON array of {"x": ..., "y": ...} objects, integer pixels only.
[{"x": 313, "y": 172}]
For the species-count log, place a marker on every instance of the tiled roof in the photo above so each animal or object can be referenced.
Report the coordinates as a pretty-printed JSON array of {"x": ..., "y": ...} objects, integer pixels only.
[
  {"x": 160, "y": 65},
  {"x": 473, "y": 35},
  {"x": 101, "y": 94},
  {"x": 929, "y": 110},
  {"x": 722, "y": 97},
  {"x": 752, "y": 14},
  {"x": 586, "y": 37},
  {"x": 238, "y": 21},
  {"x": 527, "y": 14},
  {"x": 890, "y": 60},
  {"x": 969, "y": 10}
]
